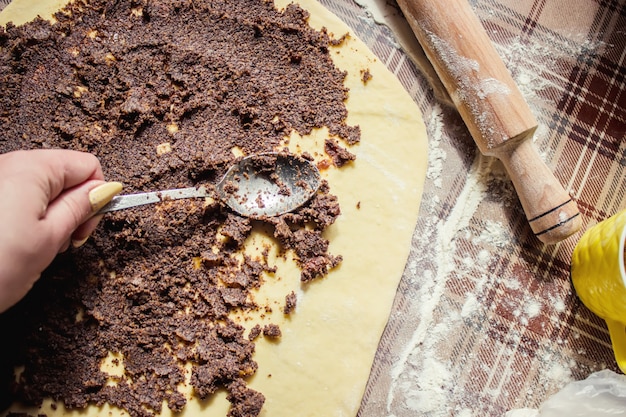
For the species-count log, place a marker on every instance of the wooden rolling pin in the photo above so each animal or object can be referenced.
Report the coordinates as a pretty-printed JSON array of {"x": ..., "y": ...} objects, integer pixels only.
[{"x": 493, "y": 108}]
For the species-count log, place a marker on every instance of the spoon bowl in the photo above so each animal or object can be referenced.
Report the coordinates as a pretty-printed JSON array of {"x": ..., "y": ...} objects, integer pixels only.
[{"x": 257, "y": 186}]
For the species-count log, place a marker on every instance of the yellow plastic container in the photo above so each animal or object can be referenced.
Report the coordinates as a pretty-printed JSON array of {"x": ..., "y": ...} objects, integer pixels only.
[{"x": 599, "y": 277}]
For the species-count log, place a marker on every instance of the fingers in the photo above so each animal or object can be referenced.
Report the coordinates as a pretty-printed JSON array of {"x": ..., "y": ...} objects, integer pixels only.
[
  {"x": 47, "y": 173},
  {"x": 72, "y": 212},
  {"x": 67, "y": 169},
  {"x": 82, "y": 233},
  {"x": 49, "y": 198},
  {"x": 77, "y": 190}
]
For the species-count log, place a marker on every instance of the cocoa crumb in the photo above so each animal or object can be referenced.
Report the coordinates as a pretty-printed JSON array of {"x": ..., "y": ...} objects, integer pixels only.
[
  {"x": 290, "y": 303},
  {"x": 272, "y": 331},
  {"x": 366, "y": 75},
  {"x": 342, "y": 39},
  {"x": 254, "y": 332},
  {"x": 339, "y": 155}
]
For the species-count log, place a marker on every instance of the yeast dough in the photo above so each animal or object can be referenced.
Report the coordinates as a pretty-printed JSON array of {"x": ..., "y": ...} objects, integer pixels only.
[{"x": 320, "y": 365}]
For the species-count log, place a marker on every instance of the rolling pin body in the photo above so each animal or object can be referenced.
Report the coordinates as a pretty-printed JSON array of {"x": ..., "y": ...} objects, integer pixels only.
[{"x": 493, "y": 108}]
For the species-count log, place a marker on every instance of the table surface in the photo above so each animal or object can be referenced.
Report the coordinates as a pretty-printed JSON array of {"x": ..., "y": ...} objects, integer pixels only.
[{"x": 485, "y": 319}]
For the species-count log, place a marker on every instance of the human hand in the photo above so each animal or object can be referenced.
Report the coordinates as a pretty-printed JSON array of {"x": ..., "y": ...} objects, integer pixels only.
[{"x": 49, "y": 200}]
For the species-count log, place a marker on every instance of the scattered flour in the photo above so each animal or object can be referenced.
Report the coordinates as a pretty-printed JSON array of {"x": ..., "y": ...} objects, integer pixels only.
[
  {"x": 557, "y": 303},
  {"x": 512, "y": 284},
  {"x": 494, "y": 234},
  {"x": 483, "y": 258},
  {"x": 559, "y": 372},
  {"x": 470, "y": 306},
  {"x": 532, "y": 308},
  {"x": 423, "y": 382},
  {"x": 526, "y": 59},
  {"x": 436, "y": 155},
  {"x": 465, "y": 413}
]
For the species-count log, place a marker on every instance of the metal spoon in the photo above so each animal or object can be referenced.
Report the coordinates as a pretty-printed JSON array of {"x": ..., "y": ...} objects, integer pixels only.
[{"x": 260, "y": 185}]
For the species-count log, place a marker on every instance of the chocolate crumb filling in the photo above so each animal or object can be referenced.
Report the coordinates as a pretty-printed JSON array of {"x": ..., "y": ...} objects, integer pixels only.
[
  {"x": 162, "y": 92},
  {"x": 272, "y": 331},
  {"x": 290, "y": 303}
]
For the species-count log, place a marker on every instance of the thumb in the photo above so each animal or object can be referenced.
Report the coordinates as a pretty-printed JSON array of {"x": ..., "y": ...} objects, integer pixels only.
[{"x": 75, "y": 206}]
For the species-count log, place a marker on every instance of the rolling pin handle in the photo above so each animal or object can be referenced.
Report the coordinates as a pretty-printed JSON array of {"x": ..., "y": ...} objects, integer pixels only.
[{"x": 551, "y": 212}]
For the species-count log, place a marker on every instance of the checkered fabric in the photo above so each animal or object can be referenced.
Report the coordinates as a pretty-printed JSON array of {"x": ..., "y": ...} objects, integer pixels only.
[{"x": 486, "y": 319}]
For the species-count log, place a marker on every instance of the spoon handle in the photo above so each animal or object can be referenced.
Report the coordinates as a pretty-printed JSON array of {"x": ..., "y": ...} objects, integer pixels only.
[{"x": 121, "y": 202}]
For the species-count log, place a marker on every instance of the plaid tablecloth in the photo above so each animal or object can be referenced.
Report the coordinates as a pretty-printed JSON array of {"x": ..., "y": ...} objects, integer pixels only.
[{"x": 485, "y": 319}]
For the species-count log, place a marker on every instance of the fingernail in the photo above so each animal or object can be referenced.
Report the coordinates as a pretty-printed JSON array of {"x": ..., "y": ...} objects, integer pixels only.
[
  {"x": 79, "y": 242},
  {"x": 102, "y": 194}
]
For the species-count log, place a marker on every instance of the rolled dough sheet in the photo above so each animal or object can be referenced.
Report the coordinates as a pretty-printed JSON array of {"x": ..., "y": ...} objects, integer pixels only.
[{"x": 320, "y": 365}]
